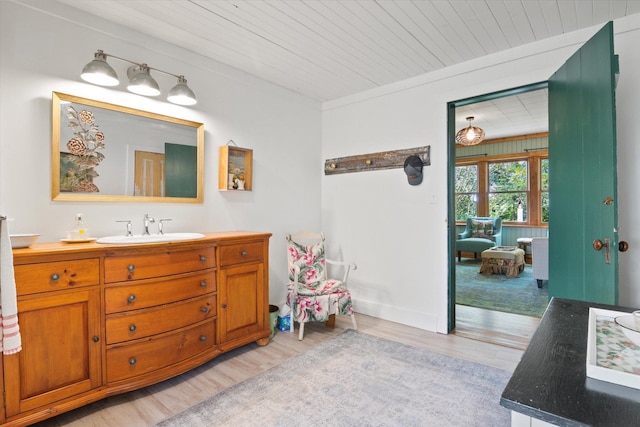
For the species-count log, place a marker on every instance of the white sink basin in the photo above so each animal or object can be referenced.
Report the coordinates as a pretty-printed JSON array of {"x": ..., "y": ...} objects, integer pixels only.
[{"x": 154, "y": 238}]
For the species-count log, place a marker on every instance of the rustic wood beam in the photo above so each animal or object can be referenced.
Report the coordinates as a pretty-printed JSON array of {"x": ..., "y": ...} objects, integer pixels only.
[{"x": 375, "y": 161}]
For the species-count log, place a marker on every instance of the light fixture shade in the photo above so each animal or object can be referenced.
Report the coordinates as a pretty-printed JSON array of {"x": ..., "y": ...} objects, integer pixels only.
[
  {"x": 141, "y": 82},
  {"x": 99, "y": 72},
  {"x": 181, "y": 94},
  {"x": 471, "y": 135}
]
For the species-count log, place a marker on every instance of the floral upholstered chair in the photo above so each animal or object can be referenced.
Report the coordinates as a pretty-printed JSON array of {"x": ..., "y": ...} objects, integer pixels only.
[{"x": 313, "y": 297}]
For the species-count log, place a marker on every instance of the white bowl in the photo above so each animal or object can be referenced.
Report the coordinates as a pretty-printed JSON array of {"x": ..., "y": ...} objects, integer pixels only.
[
  {"x": 23, "y": 240},
  {"x": 630, "y": 325}
]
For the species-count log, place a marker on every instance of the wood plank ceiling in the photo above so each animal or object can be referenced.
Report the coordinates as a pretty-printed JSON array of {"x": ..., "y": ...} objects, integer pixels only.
[{"x": 328, "y": 49}]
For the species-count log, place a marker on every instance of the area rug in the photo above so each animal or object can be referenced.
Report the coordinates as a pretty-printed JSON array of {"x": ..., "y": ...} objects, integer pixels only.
[
  {"x": 355, "y": 379},
  {"x": 519, "y": 295}
]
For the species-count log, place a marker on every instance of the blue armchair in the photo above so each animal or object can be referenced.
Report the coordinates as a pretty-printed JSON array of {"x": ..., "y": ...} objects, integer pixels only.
[{"x": 481, "y": 233}]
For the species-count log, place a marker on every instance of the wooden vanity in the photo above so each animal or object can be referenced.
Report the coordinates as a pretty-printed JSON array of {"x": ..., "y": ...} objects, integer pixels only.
[{"x": 98, "y": 320}]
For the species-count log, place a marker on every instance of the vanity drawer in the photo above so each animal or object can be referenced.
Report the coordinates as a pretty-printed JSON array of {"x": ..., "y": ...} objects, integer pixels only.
[
  {"x": 241, "y": 253},
  {"x": 58, "y": 275},
  {"x": 154, "y": 292},
  {"x": 165, "y": 263},
  {"x": 153, "y": 321},
  {"x": 146, "y": 357}
]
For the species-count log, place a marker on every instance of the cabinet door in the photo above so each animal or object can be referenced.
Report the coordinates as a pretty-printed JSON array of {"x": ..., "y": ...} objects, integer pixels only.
[
  {"x": 242, "y": 295},
  {"x": 60, "y": 354}
]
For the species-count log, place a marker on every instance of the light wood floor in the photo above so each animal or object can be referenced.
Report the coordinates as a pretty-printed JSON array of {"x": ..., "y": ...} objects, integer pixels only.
[
  {"x": 507, "y": 329},
  {"x": 152, "y": 404}
]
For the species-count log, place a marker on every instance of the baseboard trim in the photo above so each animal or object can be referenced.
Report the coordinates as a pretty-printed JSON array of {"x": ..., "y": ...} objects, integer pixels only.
[{"x": 417, "y": 319}]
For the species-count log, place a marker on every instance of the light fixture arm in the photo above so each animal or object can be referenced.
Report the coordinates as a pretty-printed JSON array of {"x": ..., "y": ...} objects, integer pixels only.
[{"x": 141, "y": 65}]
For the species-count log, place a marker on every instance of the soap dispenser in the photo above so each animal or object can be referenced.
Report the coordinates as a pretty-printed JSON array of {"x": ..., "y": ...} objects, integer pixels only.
[{"x": 79, "y": 230}]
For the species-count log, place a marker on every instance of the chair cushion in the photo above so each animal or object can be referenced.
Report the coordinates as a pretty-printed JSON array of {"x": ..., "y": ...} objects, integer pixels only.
[
  {"x": 323, "y": 287},
  {"x": 474, "y": 244},
  {"x": 482, "y": 228},
  {"x": 318, "y": 308},
  {"x": 310, "y": 260}
]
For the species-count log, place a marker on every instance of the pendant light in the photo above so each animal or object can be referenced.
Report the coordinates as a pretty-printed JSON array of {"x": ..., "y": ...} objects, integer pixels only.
[{"x": 471, "y": 135}]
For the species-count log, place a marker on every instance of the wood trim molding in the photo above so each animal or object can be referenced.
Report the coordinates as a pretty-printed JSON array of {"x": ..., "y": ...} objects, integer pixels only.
[{"x": 515, "y": 138}]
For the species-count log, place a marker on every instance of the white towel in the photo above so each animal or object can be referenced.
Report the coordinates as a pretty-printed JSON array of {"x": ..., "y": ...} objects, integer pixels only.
[{"x": 10, "y": 340}]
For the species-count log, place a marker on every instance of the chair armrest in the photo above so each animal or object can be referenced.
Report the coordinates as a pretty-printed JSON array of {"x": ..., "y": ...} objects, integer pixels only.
[
  {"x": 497, "y": 238},
  {"x": 464, "y": 235},
  {"x": 348, "y": 266}
]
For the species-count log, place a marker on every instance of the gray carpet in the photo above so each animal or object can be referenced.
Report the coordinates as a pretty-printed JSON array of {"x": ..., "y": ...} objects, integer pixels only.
[{"x": 355, "y": 379}]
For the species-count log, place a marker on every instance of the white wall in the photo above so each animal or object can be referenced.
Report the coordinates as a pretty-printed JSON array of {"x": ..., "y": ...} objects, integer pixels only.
[
  {"x": 398, "y": 233},
  {"x": 41, "y": 52},
  {"x": 395, "y": 232}
]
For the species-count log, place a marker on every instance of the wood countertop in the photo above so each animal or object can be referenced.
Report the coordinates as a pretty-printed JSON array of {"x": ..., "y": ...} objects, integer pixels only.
[{"x": 56, "y": 248}]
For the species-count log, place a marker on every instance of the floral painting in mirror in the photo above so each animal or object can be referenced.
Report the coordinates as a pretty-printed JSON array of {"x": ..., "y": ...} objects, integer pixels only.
[{"x": 78, "y": 167}]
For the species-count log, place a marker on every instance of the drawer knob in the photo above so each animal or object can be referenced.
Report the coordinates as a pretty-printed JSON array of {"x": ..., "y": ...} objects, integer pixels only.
[
  {"x": 131, "y": 298},
  {"x": 243, "y": 253},
  {"x": 132, "y": 361},
  {"x": 203, "y": 283},
  {"x": 132, "y": 328},
  {"x": 204, "y": 309},
  {"x": 203, "y": 258},
  {"x": 131, "y": 268},
  {"x": 203, "y": 337},
  {"x": 96, "y": 338},
  {"x": 224, "y": 306},
  {"x": 55, "y": 277}
]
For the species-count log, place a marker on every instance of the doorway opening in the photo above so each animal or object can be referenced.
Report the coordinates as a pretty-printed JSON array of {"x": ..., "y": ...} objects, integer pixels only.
[{"x": 506, "y": 177}]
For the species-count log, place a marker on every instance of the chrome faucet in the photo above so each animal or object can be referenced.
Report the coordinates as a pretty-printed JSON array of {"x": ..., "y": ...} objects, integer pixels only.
[
  {"x": 129, "y": 227},
  {"x": 147, "y": 220},
  {"x": 161, "y": 225}
]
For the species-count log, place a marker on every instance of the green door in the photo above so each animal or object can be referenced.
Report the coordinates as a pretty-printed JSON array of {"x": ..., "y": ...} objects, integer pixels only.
[
  {"x": 180, "y": 171},
  {"x": 583, "y": 174}
]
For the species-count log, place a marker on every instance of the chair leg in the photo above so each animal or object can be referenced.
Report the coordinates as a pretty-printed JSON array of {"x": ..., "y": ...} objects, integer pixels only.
[
  {"x": 459, "y": 256},
  {"x": 539, "y": 283},
  {"x": 291, "y": 321},
  {"x": 301, "y": 333},
  {"x": 353, "y": 320},
  {"x": 331, "y": 323}
]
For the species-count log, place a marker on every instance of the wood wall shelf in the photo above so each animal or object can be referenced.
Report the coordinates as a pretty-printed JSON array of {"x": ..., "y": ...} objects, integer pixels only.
[
  {"x": 375, "y": 161},
  {"x": 235, "y": 169}
]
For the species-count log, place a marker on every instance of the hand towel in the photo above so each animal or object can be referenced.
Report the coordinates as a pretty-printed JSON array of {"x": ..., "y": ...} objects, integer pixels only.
[{"x": 10, "y": 340}]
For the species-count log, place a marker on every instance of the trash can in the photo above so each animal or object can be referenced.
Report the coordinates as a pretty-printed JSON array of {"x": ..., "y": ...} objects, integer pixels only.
[{"x": 273, "y": 318}]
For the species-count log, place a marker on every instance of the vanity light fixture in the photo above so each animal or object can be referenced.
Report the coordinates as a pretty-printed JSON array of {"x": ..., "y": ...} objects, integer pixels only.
[
  {"x": 99, "y": 72},
  {"x": 471, "y": 135}
]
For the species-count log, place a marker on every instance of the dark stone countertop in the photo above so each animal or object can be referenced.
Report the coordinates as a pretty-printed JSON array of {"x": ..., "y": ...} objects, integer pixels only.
[{"x": 550, "y": 383}]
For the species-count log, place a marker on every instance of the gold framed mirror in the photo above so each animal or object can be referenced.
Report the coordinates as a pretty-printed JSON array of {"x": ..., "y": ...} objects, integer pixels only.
[{"x": 110, "y": 153}]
